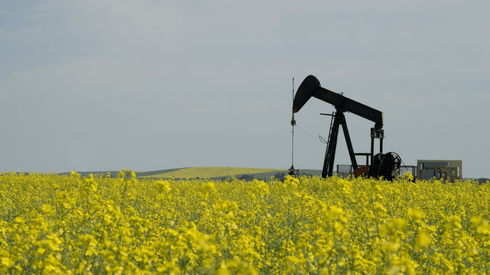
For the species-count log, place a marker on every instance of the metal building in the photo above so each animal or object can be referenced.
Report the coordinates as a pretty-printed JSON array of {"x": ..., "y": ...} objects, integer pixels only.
[{"x": 449, "y": 170}]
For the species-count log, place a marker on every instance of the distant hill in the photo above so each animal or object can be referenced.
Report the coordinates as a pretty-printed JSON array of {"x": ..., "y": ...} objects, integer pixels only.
[
  {"x": 222, "y": 173},
  {"x": 208, "y": 172},
  {"x": 214, "y": 173},
  {"x": 114, "y": 173},
  {"x": 158, "y": 172},
  {"x": 86, "y": 173},
  {"x": 200, "y": 172}
]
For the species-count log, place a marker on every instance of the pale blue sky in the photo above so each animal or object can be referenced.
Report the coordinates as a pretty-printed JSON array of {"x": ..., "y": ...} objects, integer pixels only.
[{"x": 148, "y": 85}]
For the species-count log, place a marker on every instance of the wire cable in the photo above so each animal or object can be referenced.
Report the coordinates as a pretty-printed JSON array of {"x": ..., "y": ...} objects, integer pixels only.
[{"x": 322, "y": 139}]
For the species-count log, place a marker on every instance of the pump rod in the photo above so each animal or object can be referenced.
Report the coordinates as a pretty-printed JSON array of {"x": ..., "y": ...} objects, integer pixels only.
[
  {"x": 292, "y": 171},
  {"x": 292, "y": 132}
]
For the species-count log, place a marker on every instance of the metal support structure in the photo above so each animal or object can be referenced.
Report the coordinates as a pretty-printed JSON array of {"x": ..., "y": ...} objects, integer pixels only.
[
  {"x": 338, "y": 119},
  {"x": 378, "y": 134},
  {"x": 367, "y": 155},
  {"x": 310, "y": 87}
]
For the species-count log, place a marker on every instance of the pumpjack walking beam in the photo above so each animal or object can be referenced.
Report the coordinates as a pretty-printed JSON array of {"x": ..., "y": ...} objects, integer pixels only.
[{"x": 311, "y": 87}]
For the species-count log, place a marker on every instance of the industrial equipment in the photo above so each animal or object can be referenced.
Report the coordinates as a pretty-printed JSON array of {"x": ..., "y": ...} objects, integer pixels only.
[
  {"x": 385, "y": 165},
  {"x": 447, "y": 170}
]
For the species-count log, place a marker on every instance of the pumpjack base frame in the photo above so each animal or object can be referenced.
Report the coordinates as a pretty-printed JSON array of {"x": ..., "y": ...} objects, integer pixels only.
[{"x": 339, "y": 119}]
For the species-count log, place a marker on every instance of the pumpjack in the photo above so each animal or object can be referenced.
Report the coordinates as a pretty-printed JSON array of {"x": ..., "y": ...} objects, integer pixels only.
[{"x": 379, "y": 165}]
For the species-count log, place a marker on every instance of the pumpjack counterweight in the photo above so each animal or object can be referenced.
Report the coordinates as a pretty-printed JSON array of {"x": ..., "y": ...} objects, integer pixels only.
[{"x": 310, "y": 87}]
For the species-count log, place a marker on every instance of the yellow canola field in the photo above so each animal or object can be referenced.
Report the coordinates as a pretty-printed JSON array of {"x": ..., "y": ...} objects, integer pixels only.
[
  {"x": 212, "y": 172},
  {"x": 70, "y": 225}
]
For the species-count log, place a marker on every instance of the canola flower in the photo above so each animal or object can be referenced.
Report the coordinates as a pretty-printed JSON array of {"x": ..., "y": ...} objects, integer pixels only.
[{"x": 52, "y": 224}]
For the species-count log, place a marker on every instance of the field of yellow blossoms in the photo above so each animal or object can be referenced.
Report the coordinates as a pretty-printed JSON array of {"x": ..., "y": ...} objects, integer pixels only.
[{"x": 52, "y": 224}]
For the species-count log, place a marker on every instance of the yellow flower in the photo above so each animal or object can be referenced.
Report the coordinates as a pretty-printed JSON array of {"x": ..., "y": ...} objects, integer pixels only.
[
  {"x": 74, "y": 174},
  {"x": 46, "y": 208},
  {"x": 314, "y": 226},
  {"x": 223, "y": 270},
  {"x": 423, "y": 240},
  {"x": 207, "y": 188},
  {"x": 415, "y": 215},
  {"x": 408, "y": 175},
  {"x": 162, "y": 186},
  {"x": 379, "y": 207}
]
